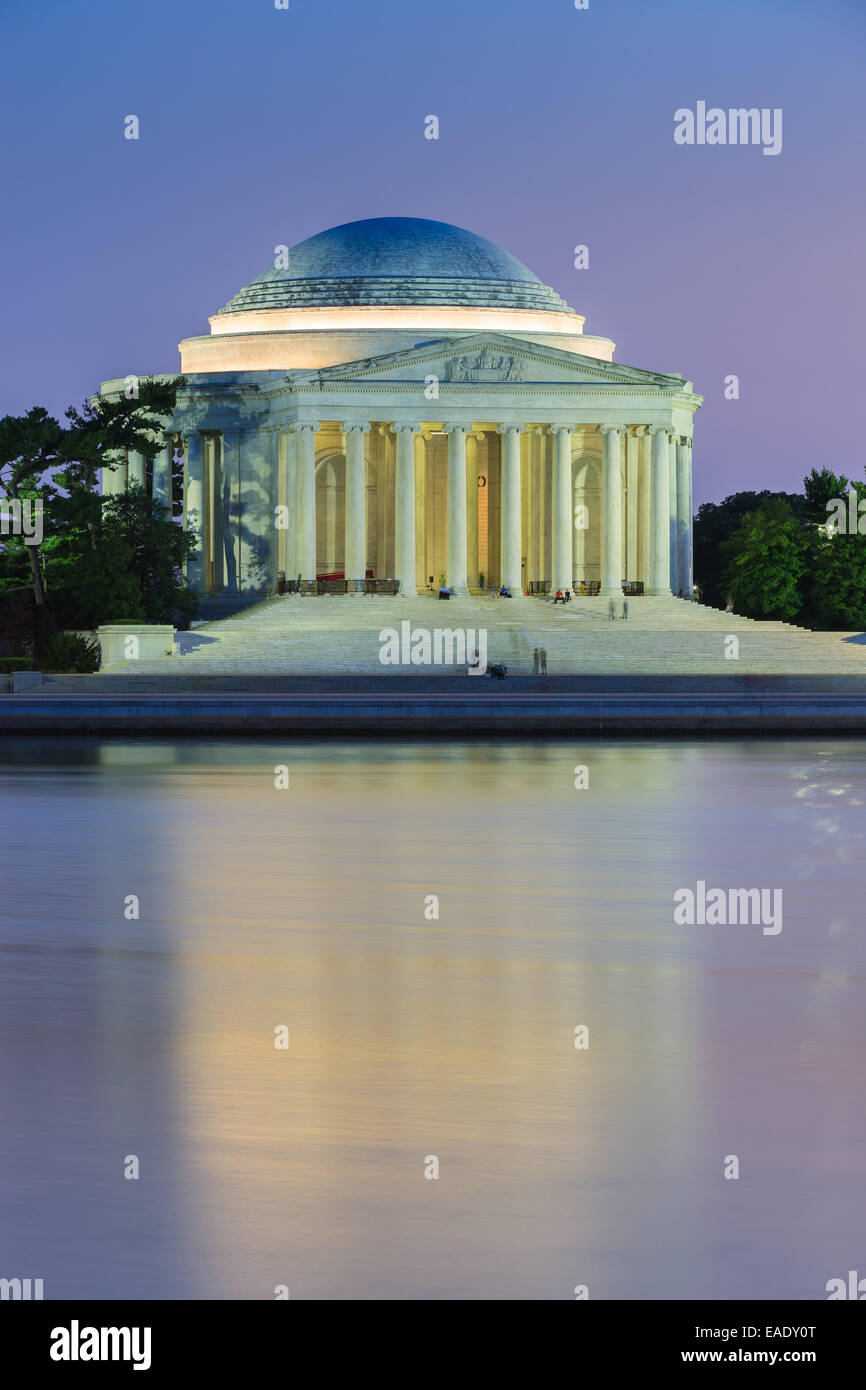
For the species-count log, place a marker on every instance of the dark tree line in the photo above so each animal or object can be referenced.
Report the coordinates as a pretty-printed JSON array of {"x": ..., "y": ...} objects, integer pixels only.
[
  {"x": 99, "y": 559},
  {"x": 775, "y": 556}
]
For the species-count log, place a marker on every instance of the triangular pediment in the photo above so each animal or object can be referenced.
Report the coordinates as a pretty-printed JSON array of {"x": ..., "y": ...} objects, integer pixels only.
[{"x": 486, "y": 359}]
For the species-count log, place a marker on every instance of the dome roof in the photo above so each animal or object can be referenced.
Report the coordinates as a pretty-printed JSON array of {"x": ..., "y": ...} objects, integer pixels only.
[{"x": 397, "y": 261}]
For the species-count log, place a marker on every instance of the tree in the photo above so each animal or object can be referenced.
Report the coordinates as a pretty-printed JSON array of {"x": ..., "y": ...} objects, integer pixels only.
[
  {"x": 30, "y": 446},
  {"x": 716, "y": 523},
  {"x": 99, "y": 558},
  {"x": 135, "y": 572},
  {"x": 837, "y": 592},
  {"x": 767, "y": 562},
  {"x": 822, "y": 486}
]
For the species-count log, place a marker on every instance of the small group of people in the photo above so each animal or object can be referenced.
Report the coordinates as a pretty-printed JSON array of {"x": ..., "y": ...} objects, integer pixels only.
[
  {"x": 539, "y": 662},
  {"x": 611, "y": 609},
  {"x": 561, "y": 597}
]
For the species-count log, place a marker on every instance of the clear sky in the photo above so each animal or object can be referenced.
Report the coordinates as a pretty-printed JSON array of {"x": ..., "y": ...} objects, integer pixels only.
[{"x": 261, "y": 126}]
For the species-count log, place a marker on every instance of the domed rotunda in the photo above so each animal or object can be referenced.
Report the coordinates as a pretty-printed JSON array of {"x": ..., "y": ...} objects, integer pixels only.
[{"x": 396, "y": 400}]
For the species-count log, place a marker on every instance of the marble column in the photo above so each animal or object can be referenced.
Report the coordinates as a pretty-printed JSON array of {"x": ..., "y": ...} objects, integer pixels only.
[
  {"x": 660, "y": 546},
  {"x": 136, "y": 469},
  {"x": 456, "y": 523},
  {"x": 306, "y": 498},
  {"x": 162, "y": 473},
  {"x": 259, "y": 501},
  {"x": 535, "y": 549},
  {"x": 644, "y": 498},
  {"x": 230, "y": 448},
  {"x": 195, "y": 511},
  {"x": 691, "y": 521},
  {"x": 289, "y": 500},
  {"x": 404, "y": 511},
  {"x": 561, "y": 516},
  {"x": 472, "y": 575},
  {"x": 672, "y": 513},
  {"x": 421, "y": 571},
  {"x": 114, "y": 479},
  {"x": 355, "y": 547},
  {"x": 611, "y": 511},
  {"x": 632, "y": 464},
  {"x": 510, "y": 504},
  {"x": 684, "y": 515},
  {"x": 526, "y": 506},
  {"x": 217, "y": 540}
]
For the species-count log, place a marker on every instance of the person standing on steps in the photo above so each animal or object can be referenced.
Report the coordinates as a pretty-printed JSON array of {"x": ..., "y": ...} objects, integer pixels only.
[
  {"x": 542, "y": 660},
  {"x": 611, "y": 611},
  {"x": 625, "y": 608},
  {"x": 535, "y": 662}
]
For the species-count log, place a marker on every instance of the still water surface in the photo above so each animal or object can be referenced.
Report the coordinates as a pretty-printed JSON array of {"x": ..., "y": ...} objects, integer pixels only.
[{"x": 411, "y": 1037}]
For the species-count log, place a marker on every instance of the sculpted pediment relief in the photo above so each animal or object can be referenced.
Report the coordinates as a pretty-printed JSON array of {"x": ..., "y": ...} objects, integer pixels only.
[
  {"x": 478, "y": 362},
  {"x": 485, "y": 365}
]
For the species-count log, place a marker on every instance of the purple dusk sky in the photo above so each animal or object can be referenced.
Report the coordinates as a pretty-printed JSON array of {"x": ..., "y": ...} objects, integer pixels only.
[{"x": 261, "y": 126}]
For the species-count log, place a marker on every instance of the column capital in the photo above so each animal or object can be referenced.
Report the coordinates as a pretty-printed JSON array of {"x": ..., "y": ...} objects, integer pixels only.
[
  {"x": 560, "y": 429},
  {"x": 299, "y": 425},
  {"x": 613, "y": 429},
  {"x": 642, "y": 431},
  {"x": 455, "y": 428},
  {"x": 511, "y": 429},
  {"x": 350, "y": 426},
  {"x": 399, "y": 428},
  {"x": 660, "y": 429}
]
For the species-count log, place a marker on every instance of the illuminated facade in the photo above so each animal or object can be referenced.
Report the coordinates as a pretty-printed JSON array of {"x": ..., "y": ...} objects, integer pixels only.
[{"x": 401, "y": 399}]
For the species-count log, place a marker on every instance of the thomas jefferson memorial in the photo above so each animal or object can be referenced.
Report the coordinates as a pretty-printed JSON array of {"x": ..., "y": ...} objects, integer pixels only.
[{"x": 400, "y": 399}]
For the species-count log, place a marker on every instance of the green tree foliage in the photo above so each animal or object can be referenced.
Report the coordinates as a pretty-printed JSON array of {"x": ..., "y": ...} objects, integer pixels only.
[
  {"x": 100, "y": 560},
  {"x": 768, "y": 562},
  {"x": 822, "y": 486},
  {"x": 133, "y": 571},
  {"x": 70, "y": 651},
  {"x": 837, "y": 592},
  {"x": 715, "y": 523}
]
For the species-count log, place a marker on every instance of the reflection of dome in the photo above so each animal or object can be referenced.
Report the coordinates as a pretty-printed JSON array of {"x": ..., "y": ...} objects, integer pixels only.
[{"x": 398, "y": 261}]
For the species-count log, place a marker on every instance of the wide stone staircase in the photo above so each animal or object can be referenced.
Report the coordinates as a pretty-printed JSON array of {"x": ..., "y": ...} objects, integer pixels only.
[{"x": 342, "y": 635}]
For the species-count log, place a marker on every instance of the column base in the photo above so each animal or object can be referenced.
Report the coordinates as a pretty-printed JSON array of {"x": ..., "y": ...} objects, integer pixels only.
[
  {"x": 407, "y": 591},
  {"x": 658, "y": 593}
]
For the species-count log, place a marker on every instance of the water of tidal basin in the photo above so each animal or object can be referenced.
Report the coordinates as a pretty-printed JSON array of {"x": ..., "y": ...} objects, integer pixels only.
[{"x": 451, "y": 1037}]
